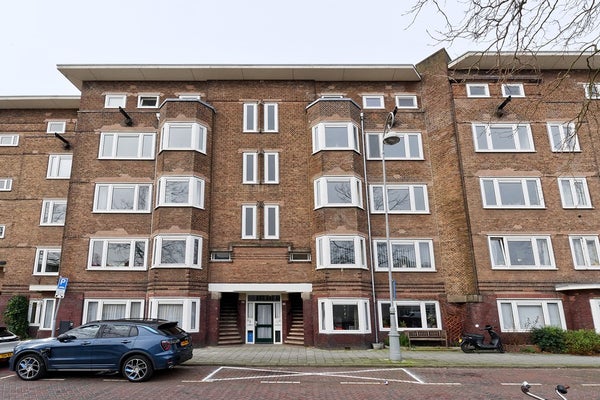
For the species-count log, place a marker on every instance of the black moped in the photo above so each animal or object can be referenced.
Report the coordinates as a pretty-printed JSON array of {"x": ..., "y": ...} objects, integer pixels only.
[{"x": 471, "y": 342}]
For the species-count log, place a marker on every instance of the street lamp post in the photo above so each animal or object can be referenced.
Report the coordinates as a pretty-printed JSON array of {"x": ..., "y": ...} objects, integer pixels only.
[{"x": 394, "y": 336}]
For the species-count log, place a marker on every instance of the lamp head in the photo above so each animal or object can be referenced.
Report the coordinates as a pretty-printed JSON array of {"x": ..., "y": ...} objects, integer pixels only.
[{"x": 391, "y": 138}]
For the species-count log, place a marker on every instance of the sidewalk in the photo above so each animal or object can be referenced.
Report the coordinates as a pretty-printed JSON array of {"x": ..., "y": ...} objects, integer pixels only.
[{"x": 287, "y": 355}]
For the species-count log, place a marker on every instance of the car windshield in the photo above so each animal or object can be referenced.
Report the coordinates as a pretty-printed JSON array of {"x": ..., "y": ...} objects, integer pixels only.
[{"x": 85, "y": 332}]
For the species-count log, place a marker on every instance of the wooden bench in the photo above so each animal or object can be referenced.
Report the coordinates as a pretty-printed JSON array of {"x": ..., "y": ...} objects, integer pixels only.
[{"x": 433, "y": 335}]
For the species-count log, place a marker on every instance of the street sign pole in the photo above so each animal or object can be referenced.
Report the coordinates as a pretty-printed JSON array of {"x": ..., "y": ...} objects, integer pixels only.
[{"x": 61, "y": 288}]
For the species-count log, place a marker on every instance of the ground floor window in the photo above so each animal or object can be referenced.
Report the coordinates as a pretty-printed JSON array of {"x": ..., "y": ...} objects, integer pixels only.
[
  {"x": 186, "y": 311},
  {"x": 41, "y": 313},
  {"x": 96, "y": 309},
  {"x": 524, "y": 315},
  {"x": 411, "y": 314},
  {"x": 595, "y": 304},
  {"x": 344, "y": 316}
]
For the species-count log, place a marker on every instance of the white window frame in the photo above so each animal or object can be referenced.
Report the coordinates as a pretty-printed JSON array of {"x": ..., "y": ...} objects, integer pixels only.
[
  {"x": 324, "y": 244},
  {"x": 399, "y": 151},
  {"x": 11, "y": 139},
  {"x": 526, "y": 194},
  {"x": 507, "y": 89},
  {"x": 484, "y": 86},
  {"x": 197, "y": 136},
  {"x": 595, "y": 306},
  {"x": 5, "y": 184},
  {"x": 145, "y": 98},
  {"x": 322, "y": 186},
  {"x": 369, "y": 98},
  {"x": 587, "y": 249},
  {"x": 41, "y": 313},
  {"x": 250, "y": 168},
  {"x": 413, "y": 190},
  {"x": 249, "y": 221},
  {"x": 579, "y": 198},
  {"x": 250, "y": 111},
  {"x": 516, "y": 303},
  {"x": 568, "y": 141},
  {"x": 192, "y": 259},
  {"x": 2, "y": 231},
  {"x": 195, "y": 191},
  {"x": 486, "y": 129},
  {"x": 271, "y": 220},
  {"x": 101, "y": 303},
  {"x": 384, "y": 309},
  {"x": 48, "y": 211},
  {"x": 413, "y": 99},
  {"x": 115, "y": 100},
  {"x": 326, "y": 317},
  {"x": 380, "y": 250},
  {"x": 592, "y": 90},
  {"x": 107, "y": 190},
  {"x": 505, "y": 240},
  {"x": 190, "y": 311},
  {"x": 43, "y": 251},
  {"x": 109, "y": 145},
  {"x": 268, "y": 109},
  {"x": 59, "y": 166},
  {"x": 320, "y": 131},
  {"x": 56, "y": 127},
  {"x": 106, "y": 242},
  {"x": 271, "y": 174}
]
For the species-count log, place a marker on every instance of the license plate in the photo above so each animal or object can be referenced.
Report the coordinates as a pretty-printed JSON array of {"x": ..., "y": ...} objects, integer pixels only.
[
  {"x": 184, "y": 343},
  {"x": 6, "y": 355}
]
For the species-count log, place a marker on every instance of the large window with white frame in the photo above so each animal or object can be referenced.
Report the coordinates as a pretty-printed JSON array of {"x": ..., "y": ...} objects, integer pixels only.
[
  {"x": 271, "y": 221},
  {"x": 5, "y": 184},
  {"x": 595, "y": 305},
  {"x": 503, "y": 137},
  {"x": 574, "y": 193},
  {"x": 410, "y": 146},
  {"x": 373, "y": 101},
  {"x": 271, "y": 167},
  {"x": 563, "y": 137},
  {"x": 513, "y": 90},
  {"x": 478, "y": 90},
  {"x": 270, "y": 117},
  {"x": 344, "y": 316},
  {"x": 338, "y": 191},
  {"x": 250, "y": 168},
  {"x": 592, "y": 90},
  {"x": 47, "y": 261},
  {"x": 127, "y": 145},
  {"x": 400, "y": 199},
  {"x": 341, "y": 251},
  {"x": 408, "y": 255},
  {"x": 115, "y": 100},
  {"x": 118, "y": 254},
  {"x": 104, "y": 309},
  {"x": 177, "y": 251},
  {"x": 41, "y": 313},
  {"x": 586, "y": 251},
  {"x": 184, "y": 136},
  {"x": 59, "y": 166},
  {"x": 522, "y": 315},
  {"x": 249, "y": 221},
  {"x": 11, "y": 139},
  {"x": 411, "y": 314},
  {"x": 250, "y": 117},
  {"x": 123, "y": 197},
  {"x": 406, "y": 101},
  {"x": 521, "y": 252},
  {"x": 335, "y": 136},
  {"x": 512, "y": 193},
  {"x": 181, "y": 191},
  {"x": 53, "y": 212},
  {"x": 186, "y": 311}
]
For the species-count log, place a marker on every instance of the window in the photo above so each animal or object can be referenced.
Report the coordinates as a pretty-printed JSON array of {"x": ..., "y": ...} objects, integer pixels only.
[
  {"x": 178, "y": 251},
  {"x": 186, "y": 311},
  {"x": 592, "y": 91},
  {"x": 585, "y": 251},
  {"x": 400, "y": 199},
  {"x": 98, "y": 309},
  {"x": 512, "y": 193},
  {"x": 300, "y": 256},
  {"x": 271, "y": 167},
  {"x": 148, "y": 101},
  {"x": 406, "y": 101},
  {"x": 250, "y": 117},
  {"x": 41, "y": 313},
  {"x": 335, "y": 136},
  {"x": 2, "y": 231},
  {"x": 574, "y": 193},
  {"x": 5, "y": 184},
  {"x": 524, "y": 315},
  {"x": 56, "y": 127},
  {"x": 411, "y": 315},
  {"x": 595, "y": 305},
  {"x": 181, "y": 191},
  {"x": 478, "y": 90},
  {"x": 221, "y": 256},
  {"x": 408, "y": 255},
  {"x": 344, "y": 316},
  {"x": 341, "y": 252},
  {"x": 184, "y": 136},
  {"x": 521, "y": 252},
  {"x": 47, "y": 261},
  {"x": 59, "y": 166},
  {"x": 250, "y": 168},
  {"x": 513, "y": 90},
  {"x": 271, "y": 224},
  {"x": 249, "y": 230},
  {"x": 190, "y": 96},
  {"x": 118, "y": 254},
  {"x": 122, "y": 197},
  {"x": 410, "y": 146},
  {"x": 271, "y": 117},
  {"x": 338, "y": 191},
  {"x": 373, "y": 101},
  {"x": 9, "y": 140},
  {"x": 53, "y": 212},
  {"x": 563, "y": 137},
  {"x": 502, "y": 137},
  {"x": 115, "y": 100},
  {"x": 126, "y": 146}
]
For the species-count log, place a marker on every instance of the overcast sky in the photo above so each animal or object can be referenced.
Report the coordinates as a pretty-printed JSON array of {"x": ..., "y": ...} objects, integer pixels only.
[{"x": 38, "y": 35}]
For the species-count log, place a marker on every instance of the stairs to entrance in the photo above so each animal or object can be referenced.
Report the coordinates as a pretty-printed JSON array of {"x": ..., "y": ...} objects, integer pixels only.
[
  {"x": 229, "y": 332},
  {"x": 296, "y": 333}
]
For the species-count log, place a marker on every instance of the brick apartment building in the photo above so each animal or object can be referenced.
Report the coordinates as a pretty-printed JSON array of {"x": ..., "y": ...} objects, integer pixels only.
[{"x": 247, "y": 202}]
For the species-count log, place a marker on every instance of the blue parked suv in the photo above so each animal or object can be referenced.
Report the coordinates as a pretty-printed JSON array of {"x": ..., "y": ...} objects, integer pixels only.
[{"x": 136, "y": 348}]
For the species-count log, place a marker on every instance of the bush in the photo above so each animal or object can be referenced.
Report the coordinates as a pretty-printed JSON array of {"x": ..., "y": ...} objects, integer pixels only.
[
  {"x": 583, "y": 342},
  {"x": 15, "y": 315},
  {"x": 549, "y": 338}
]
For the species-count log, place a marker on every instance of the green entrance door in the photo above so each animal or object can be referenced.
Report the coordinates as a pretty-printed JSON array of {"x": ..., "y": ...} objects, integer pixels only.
[{"x": 264, "y": 323}]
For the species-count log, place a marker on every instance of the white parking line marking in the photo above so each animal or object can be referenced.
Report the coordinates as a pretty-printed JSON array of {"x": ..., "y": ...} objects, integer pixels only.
[
  {"x": 590, "y": 384},
  {"x": 519, "y": 384},
  {"x": 7, "y": 376},
  {"x": 361, "y": 383},
  {"x": 281, "y": 382}
]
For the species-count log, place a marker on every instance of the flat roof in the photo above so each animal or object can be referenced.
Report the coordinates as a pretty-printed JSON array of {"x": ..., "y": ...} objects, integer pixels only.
[
  {"x": 564, "y": 60},
  {"x": 39, "y": 102},
  {"x": 77, "y": 74}
]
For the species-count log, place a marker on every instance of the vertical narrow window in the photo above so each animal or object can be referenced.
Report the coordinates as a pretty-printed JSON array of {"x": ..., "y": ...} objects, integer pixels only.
[
  {"x": 271, "y": 221},
  {"x": 250, "y": 168},
  {"x": 249, "y": 222},
  {"x": 271, "y": 117},
  {"x": 271, "y": 167},
  {"x": 250, "y": 117}
]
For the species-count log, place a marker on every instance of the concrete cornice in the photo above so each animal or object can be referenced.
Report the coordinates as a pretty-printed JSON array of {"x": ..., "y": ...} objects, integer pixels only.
[
  {"x": 39, "y": 102},
  {"x": 566, "y": 60}
]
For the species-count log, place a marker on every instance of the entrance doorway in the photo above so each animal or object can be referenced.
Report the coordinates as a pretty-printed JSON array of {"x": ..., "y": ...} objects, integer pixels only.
[{"x": 264, "y": 322}]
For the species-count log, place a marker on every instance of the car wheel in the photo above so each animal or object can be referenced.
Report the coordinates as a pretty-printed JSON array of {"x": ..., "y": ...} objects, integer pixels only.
[
  {"x": 30, "y": 367},
  {"x": 137, "y": 368}
]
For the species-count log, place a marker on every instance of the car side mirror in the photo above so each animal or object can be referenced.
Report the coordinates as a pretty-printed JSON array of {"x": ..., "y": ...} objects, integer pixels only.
[{"x": 65, "y": 337}]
